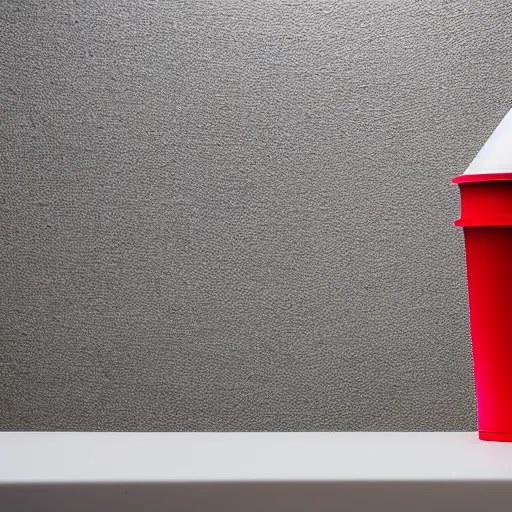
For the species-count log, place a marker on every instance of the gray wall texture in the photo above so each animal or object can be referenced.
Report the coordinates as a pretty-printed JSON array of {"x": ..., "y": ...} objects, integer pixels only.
[{"x": 237, "y": 215}]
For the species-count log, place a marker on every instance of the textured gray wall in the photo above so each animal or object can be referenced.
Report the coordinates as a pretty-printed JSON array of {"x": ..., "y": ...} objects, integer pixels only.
[{"x": 234, "y": 215}]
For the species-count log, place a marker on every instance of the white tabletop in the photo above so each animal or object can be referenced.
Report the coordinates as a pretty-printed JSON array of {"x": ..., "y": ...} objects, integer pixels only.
[{"x": 30, "y": 457}]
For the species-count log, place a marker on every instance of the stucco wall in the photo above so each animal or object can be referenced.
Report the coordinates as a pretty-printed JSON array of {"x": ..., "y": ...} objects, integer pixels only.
[{"x": 233, "y": 215}]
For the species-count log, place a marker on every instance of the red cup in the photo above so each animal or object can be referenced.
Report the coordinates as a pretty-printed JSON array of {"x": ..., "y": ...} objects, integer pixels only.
[{"x": 486, "y": 216}]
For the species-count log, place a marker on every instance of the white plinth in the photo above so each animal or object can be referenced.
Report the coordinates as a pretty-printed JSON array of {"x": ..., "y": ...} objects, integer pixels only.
[{"x": 253, "y": 471}]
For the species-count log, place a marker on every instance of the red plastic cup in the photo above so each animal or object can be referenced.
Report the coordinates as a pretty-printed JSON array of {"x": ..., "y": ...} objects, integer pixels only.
[{"x": 486, "y": 216}]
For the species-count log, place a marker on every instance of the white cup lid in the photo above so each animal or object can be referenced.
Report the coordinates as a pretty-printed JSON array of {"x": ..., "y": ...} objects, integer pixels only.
[{"x": 496, "y": 154}]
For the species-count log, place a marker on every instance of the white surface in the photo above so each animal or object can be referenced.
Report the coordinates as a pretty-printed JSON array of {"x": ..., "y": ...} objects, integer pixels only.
[
  {"x": 496, "y": 154},
  {"x": 254, "y": 457}
]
